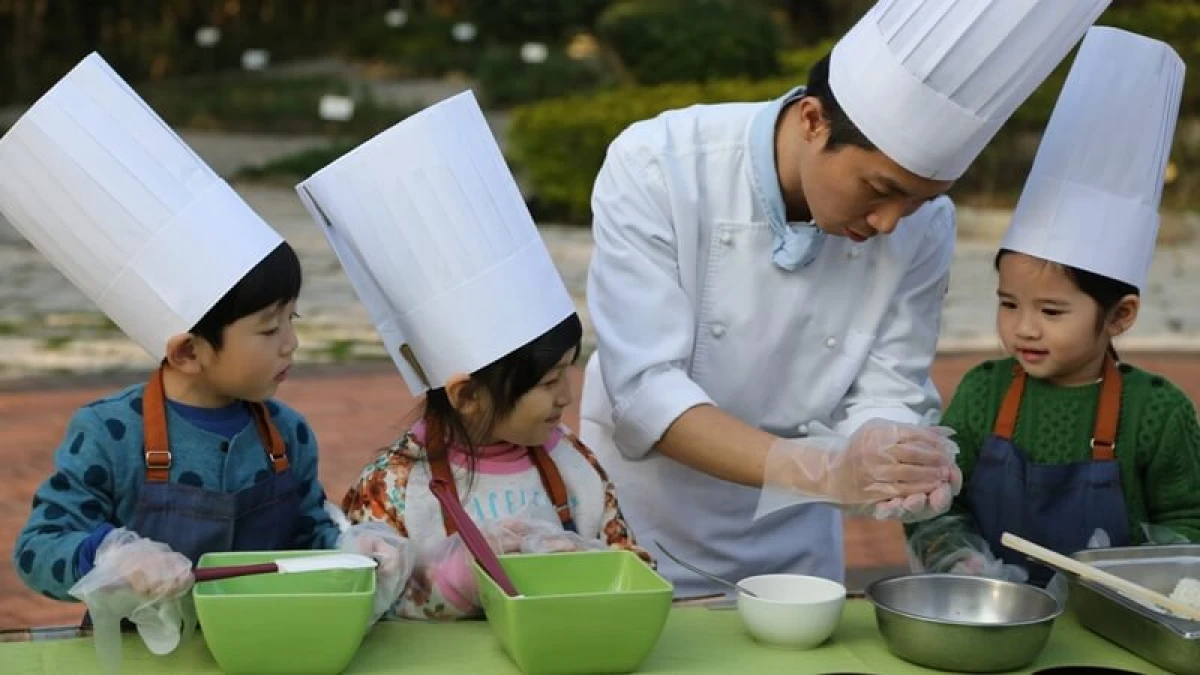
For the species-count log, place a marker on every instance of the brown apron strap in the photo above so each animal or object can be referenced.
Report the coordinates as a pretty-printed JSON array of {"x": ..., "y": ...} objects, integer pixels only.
[
  {"x": 157, "y": 446},
  {"x": 1108, "y": 411},
  {"x": 1108, "y": 414},
  {"x": 269, "y": 435},
  {"x": 1006, "y": 421},
  {"x": 552, "y": 481},
  {"x": 154, "y": 430}
]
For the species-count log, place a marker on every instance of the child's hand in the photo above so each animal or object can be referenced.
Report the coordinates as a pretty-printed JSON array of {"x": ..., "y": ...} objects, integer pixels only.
[
  {"x": 149, "y": 568},
  {"x": 393, "y": 553},
  {"x": 143, "y": 581},
  {"x": 559, "y": 542}
]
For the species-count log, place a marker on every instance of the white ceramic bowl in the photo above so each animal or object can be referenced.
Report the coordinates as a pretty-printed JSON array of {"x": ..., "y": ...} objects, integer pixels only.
[{"x": 791, "y": 610}]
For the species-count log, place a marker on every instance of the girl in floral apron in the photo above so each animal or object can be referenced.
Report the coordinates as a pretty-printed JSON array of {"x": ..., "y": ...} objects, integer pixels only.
[{"x": 431, "y": 230}]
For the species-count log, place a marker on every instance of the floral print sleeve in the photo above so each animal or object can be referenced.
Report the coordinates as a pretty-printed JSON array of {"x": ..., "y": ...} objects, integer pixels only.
[
  {"x": 614, "y": 530},
  {"x": 380, "y": 495}
]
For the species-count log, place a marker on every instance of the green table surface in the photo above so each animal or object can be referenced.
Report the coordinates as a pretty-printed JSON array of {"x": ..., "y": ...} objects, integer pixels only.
[{"x": 695, "y": 640}]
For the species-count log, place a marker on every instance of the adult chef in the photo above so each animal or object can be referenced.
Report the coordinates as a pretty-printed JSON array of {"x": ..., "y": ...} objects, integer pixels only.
[{"x": 747, "y": 308}]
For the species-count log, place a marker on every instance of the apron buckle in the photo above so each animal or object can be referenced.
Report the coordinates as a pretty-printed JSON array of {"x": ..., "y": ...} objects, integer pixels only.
[{"x": 150, "y": 461}]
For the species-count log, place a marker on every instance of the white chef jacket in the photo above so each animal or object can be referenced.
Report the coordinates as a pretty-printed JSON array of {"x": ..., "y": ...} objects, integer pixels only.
[{"x": 689, "y": 309}]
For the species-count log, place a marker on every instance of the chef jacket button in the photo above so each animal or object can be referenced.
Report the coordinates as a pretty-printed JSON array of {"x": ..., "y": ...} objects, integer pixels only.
[
  {"x": 717, "y": 330},
  {"x": 853, "y": 253},
  {"x": 803, "y": 429},
  {"x": 830, "y": 342},
  {"x": 727, "y": 239}
]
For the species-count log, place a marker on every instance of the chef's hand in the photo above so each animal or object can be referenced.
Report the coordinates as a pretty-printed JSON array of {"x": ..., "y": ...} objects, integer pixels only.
[
  {"x": 880, "y": 461},
  {"x": 919, "y": 507},
  {"x": 393, "y": 554}
]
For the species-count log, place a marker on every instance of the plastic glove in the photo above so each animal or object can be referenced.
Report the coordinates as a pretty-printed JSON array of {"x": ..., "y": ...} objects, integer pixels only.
[
  {"x": 395, "y": 555},
  {"x": 559, "y": 542},
  {"x": 920, "y": 506},
  {"x": 448, "y": 562},
  {"x": 950, "y": 545},
  {"x": 143, "y": 581},
  {"x": 1161, "y": 535},
  {"x": 881, "y": 461}
]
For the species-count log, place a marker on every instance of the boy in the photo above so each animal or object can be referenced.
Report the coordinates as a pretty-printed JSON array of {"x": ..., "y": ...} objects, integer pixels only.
[{"x": 199, "y": 458}]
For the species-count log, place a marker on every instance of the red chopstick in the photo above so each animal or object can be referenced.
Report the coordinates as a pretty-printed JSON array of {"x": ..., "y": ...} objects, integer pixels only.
[
  {"x": 214, "y": 573},
  {"x": 472, "y": 537}
]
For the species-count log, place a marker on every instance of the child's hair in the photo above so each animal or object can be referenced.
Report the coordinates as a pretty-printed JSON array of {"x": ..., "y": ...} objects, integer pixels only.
[
  {"x": 504, "y": 381},
  {"x": 275, "y": 280},
  {"x": 1105, "y": 291},
  {"x": 842, "y": 131}
]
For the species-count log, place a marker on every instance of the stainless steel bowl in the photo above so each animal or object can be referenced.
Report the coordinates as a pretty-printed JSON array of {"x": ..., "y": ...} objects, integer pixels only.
[{"x": 963, "y": 624}]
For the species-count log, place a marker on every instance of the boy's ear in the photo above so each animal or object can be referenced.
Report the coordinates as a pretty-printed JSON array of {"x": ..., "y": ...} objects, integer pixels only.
[
  {"x": 1123, "y": 316},
  {"x": 461, "y": 392},
  {"x": 181, "y": 353}
]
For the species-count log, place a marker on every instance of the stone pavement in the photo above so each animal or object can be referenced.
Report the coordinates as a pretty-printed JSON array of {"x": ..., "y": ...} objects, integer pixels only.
[
  {"x": 48, "y": 327},
  {"x": 353, "y": 410}
]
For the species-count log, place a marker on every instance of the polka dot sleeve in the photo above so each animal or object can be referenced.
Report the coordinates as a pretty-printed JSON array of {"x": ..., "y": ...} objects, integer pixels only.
[{"x": 77, "y": 498}]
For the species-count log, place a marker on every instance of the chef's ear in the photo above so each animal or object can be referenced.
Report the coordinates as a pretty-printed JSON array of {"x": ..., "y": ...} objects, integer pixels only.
[
  {"x": 462, "y": 393},
  {"x": 814, "y": 125},
  {"x": 182, "y": 353},
  {"x": 1122, "y": 317}
]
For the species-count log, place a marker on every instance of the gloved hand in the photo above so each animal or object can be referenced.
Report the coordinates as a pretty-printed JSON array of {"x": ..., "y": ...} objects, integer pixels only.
[
  {"x": 879, "y": 462},
  {"x": 394, "y": 554},
  {"x": 1161, "y": 535},
  {"x": 949, "y": 544},
  {"x": 448, "y": 563},
  {"x": 143, "y": 581},
  {"x": 923, "y": 506}
]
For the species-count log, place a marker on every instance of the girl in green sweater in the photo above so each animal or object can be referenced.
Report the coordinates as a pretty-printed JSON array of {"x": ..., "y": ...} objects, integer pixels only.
[{"x": 1061, "y": 440}]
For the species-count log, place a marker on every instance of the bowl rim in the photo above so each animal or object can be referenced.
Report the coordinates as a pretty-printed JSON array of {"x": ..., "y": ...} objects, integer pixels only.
[
  {"x": 794, "y": 603},
  {"x": 1059, "y": 607},
  {"x": 662, "y": 585}
]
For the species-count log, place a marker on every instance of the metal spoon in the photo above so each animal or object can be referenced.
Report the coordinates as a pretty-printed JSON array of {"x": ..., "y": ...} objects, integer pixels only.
[{"x": 711, "y": 577}]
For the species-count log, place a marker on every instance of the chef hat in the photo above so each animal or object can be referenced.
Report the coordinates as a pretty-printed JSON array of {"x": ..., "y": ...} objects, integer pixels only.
[
  {"x": 434, "y": 235},
  {"x": 930, "y": 82},
  {"x": 1091, "y": 199},
  {"x": 106, "y": 191}
]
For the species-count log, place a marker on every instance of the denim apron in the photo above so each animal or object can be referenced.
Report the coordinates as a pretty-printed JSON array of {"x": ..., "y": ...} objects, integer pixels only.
[
  {"x": 194, "y": 521},
  {"x": 1058, "y": 506}
]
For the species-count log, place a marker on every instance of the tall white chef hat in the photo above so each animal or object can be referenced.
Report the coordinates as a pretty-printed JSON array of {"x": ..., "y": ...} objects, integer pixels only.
[
  {"x": 434, "y": 235},
  {"x": 1091, "y": 200},
  {"x": 103, "y": 188},
  {"x": 930, "y": 82}
]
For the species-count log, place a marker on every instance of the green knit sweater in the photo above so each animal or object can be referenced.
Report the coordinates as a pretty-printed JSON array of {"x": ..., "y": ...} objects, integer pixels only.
[{"x": 1158, "y": 439}]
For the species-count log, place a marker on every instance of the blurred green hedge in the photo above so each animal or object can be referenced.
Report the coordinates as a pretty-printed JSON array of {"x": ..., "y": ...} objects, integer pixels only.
[
  {"x": 661, "y": 41},
  {"x": 559, "y": 145}
]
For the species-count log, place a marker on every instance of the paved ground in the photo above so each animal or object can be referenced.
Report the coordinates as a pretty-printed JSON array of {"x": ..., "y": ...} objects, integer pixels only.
[
  {"x": 353, "y": 410},
  {"x": 49, "y": 327}
]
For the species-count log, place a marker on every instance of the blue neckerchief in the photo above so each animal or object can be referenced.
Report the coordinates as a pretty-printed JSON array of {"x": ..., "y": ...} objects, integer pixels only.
[{"x": 796, "y": 244}]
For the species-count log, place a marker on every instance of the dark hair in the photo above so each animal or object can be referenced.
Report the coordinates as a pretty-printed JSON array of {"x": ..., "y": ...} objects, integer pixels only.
[
  {"x": 1105, "y": 291},
  {"x": 275, "y": 280},
  {"x": 842, "y": 131},
  {"x": 504, "y": 381}
]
